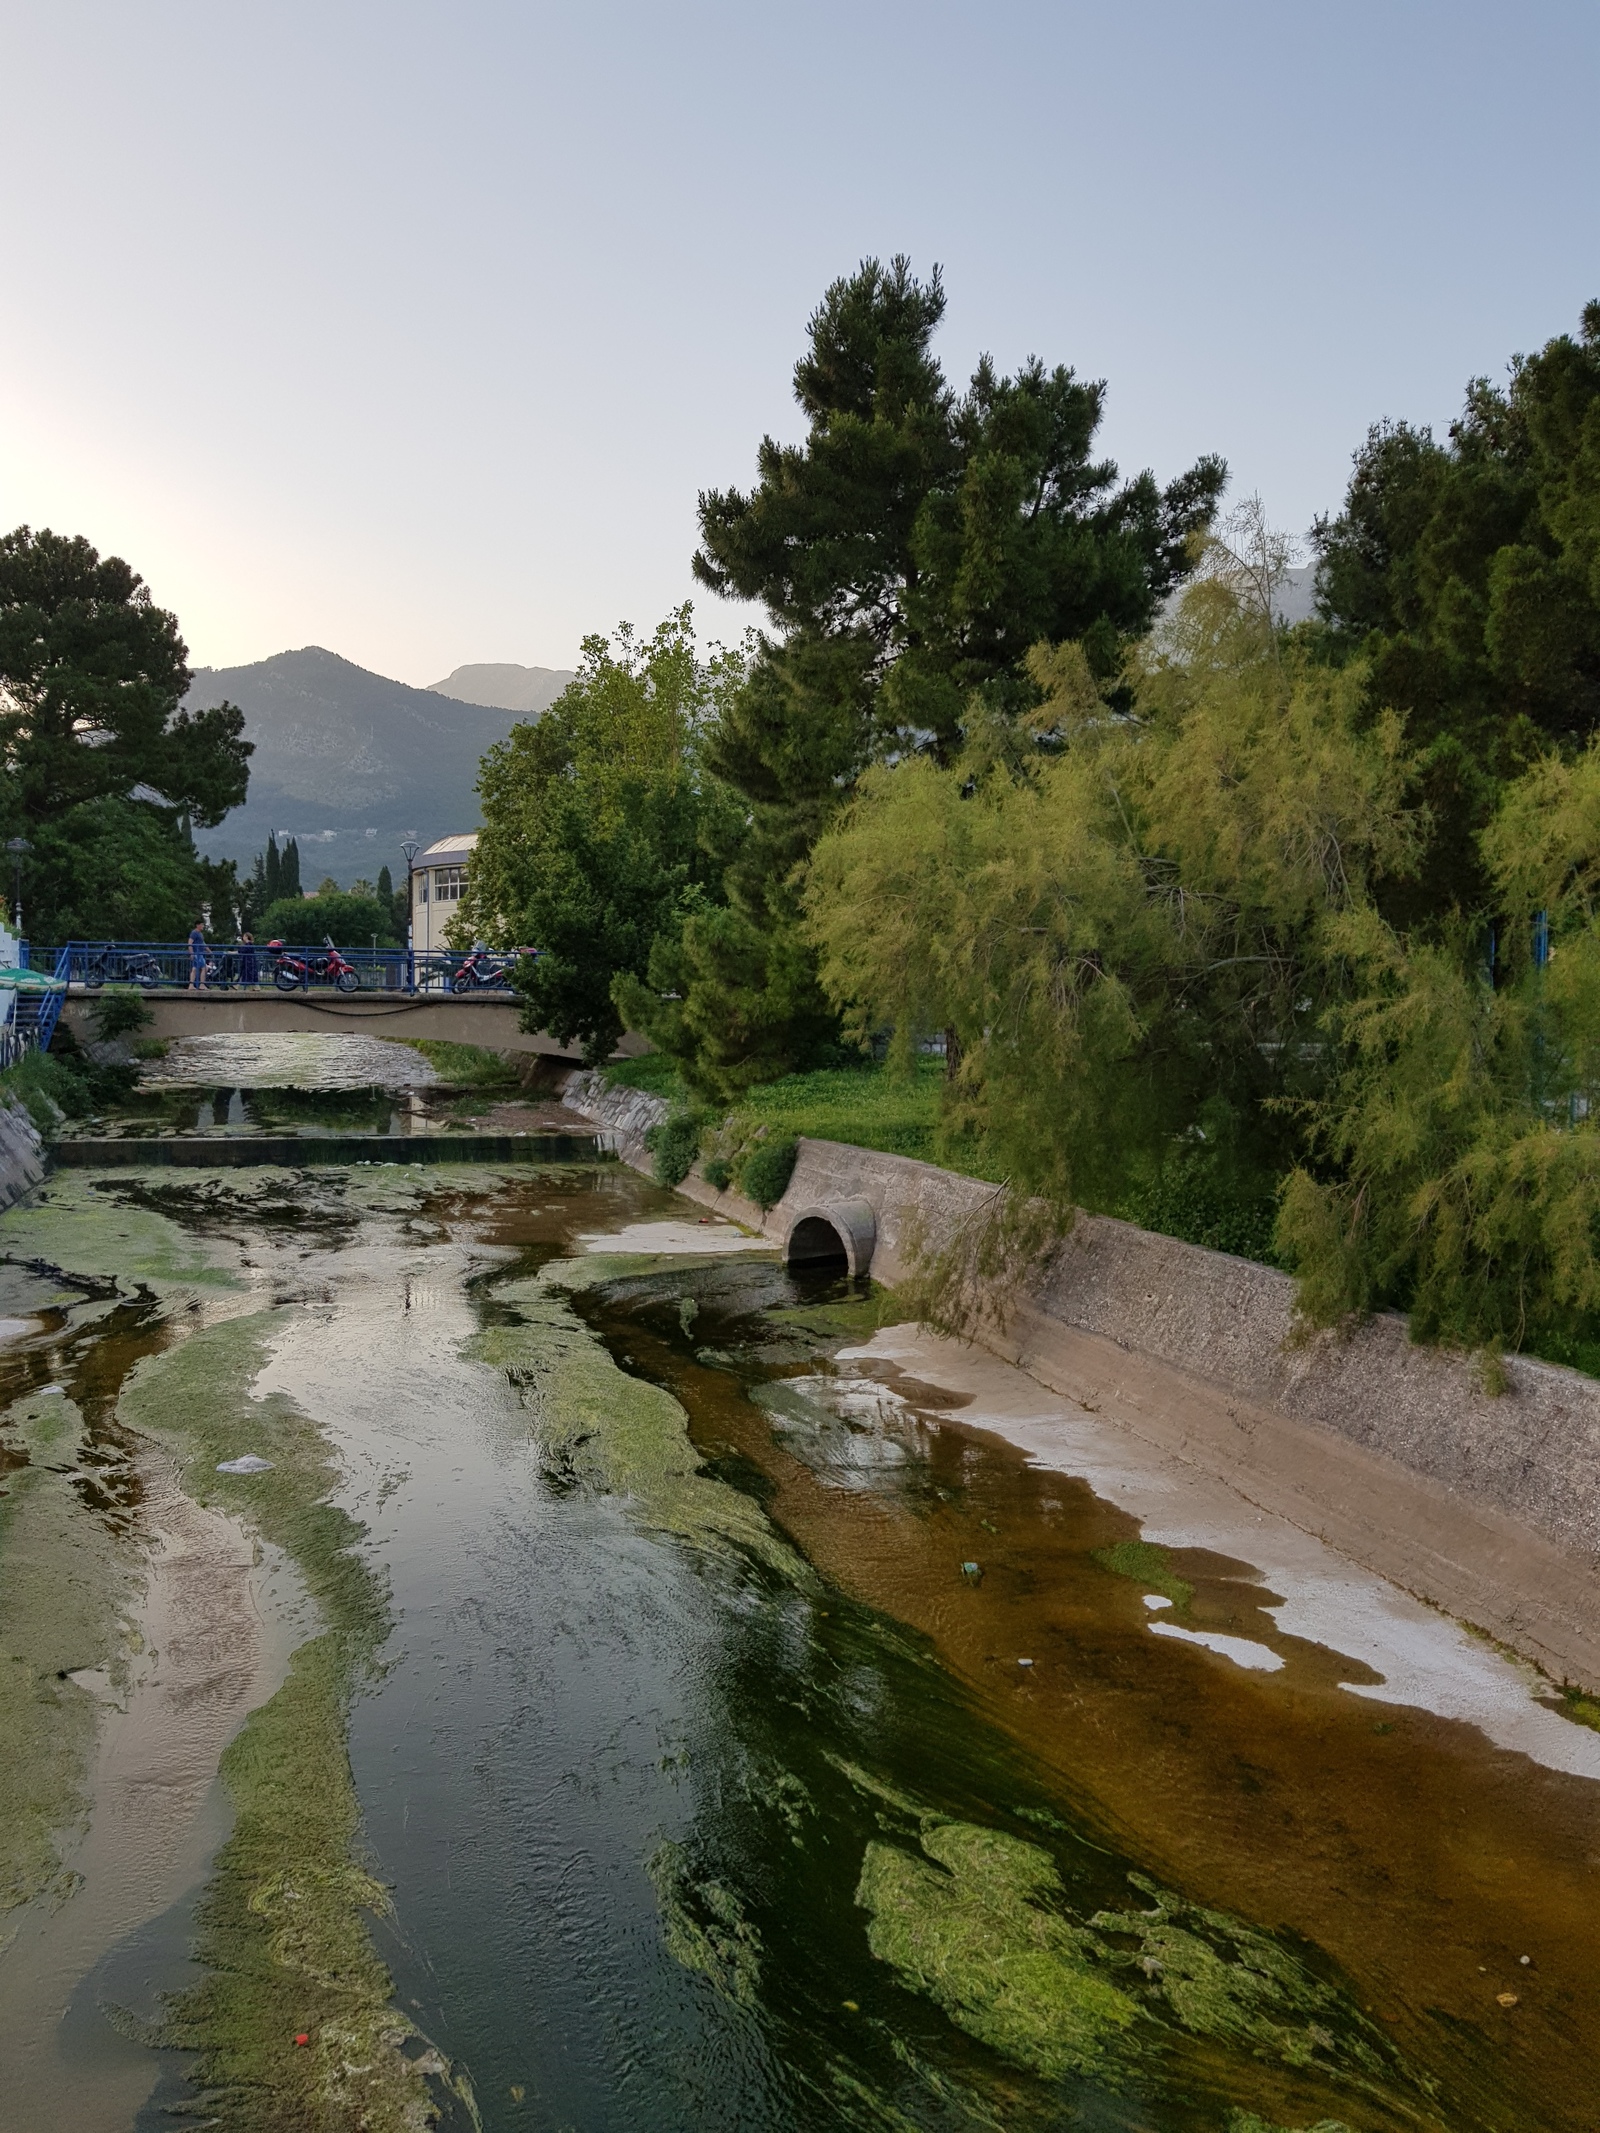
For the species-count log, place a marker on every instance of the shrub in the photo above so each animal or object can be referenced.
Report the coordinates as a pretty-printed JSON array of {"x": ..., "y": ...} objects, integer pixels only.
[
  {"x": 767, "y": 1170},
  {"x": 718, "y": 1173},
  {"x": 675, "y": 1143},
  {"x": 118, "y": 1012}
]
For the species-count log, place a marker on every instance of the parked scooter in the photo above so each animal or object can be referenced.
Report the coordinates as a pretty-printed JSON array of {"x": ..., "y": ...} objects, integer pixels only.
[
  {"x": 485, "y": 972},
  {"x": 134, "y": 966},
  {"x": 298, "y": 973}
]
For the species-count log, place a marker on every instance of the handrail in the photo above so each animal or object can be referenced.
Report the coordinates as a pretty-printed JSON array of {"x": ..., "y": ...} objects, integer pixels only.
[{"x": 150, "y": 965}]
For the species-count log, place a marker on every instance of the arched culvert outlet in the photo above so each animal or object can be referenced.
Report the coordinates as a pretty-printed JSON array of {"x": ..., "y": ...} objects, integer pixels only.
[{"x": 841, "y": 1232}]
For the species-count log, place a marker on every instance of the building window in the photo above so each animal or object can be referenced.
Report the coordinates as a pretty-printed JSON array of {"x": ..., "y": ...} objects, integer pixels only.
[
  {"x": 422, "y": 887},
  {"x": 448, "y": 883}
]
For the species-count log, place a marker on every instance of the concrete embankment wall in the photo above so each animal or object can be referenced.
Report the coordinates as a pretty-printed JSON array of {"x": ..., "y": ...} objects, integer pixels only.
[
  {"x": 1487, "y": 1506},
  {"x": 22, "y": 1156}
]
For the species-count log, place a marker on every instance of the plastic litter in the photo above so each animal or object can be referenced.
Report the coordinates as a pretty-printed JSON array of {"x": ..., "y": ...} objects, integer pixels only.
[
  {"x": 304, "y": 2037},
  {"x": 249, "y": 1464},
  {"x": 971, "y": 1570},
  {"x": 1506, "y": 1999},
  {"x": 1024, "y": 1662},
  {"x": 43, "y": 1389}
]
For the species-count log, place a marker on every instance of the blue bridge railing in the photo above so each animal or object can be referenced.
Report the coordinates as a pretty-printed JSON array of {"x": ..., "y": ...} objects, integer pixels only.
[{"x": 153, "y": 965}]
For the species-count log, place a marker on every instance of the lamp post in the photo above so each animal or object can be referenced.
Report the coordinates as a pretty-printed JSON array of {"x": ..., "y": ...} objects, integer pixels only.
[
  {"x": 410, "y": 846},
  {"x": 18, "y": 847}
]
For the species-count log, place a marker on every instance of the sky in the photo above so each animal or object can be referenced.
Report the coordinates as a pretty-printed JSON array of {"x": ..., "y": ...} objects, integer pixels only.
[{"x": 414, "y": 331}]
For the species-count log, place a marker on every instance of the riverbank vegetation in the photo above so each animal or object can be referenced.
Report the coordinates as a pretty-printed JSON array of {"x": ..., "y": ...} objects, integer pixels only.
[{"x": 1282, "y": 938}]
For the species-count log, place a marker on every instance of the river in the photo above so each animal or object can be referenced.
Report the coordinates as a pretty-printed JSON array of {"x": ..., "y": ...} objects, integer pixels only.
[{"x": 673, "y": 1703}]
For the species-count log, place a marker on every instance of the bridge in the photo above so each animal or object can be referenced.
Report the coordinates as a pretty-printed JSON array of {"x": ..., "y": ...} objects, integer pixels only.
[
  {"x": 489, "y": 1019},
  {"x": 394, "y": 994}
]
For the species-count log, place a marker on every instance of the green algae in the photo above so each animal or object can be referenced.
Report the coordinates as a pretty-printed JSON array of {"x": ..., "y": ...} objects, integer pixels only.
[
  {"x": 90, "y": 1226},
  {"x": 1248, "y": 2122},
  {"x": 969, "y": 1926},
  {"x": 64, "y": 1599},
  {"x": 704, "y": 1926},
  {"x": 979, "y": 1921},
  {"x": 600, "y": 1429},
  {"x": 283, "y": 1936},
  {"x": 1147, "y": 1565}
]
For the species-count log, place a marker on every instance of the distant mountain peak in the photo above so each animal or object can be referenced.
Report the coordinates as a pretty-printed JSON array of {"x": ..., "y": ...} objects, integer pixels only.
[{"x": 501, "y": 686}]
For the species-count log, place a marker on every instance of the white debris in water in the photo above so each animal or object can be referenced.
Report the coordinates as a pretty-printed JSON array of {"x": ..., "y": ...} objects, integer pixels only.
[
  {"x": 1239, "y": 1649},
  {"x": 1427, "y": 1660},
  {"x": 249, "y": 1464},
  {"x": 676, "y": 1237},
  {"x": 1156, "y": 1599},
  {"x": 301, "y": 1059}
]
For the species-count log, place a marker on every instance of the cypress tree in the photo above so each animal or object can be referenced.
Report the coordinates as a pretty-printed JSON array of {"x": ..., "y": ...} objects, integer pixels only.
[
  {"x": 289, "y": 872},
  {"x": 273, "y": 869}
]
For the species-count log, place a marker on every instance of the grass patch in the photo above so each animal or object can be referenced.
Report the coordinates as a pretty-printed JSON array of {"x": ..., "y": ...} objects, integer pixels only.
[
  {"x": 655, "y": 1072},
  {"x": 866, "y": 1106},
  {"x": 466, "y": 1066}
]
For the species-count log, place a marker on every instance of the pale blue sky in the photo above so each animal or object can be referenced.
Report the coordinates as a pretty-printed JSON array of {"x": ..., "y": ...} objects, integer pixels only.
[{"x": 413, "y": 330}]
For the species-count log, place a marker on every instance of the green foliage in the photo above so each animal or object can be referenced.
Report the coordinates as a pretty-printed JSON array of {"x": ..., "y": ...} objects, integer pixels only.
[
  {"x": 64, "y": 1083},
  {"x": 674, "y": 1143},
  {"x": 466, "y": 1066},
  {"x": 118, "y": 1012},
  {"x": 718, "y": 1173},
  {"x": 91, "y": 677},
  {"x": 1467, "y": 574},
  {"x": 593, "y": 817},
  {"x": 909, "y": 552},
  {"x": 765, "y": 1172},
  {"x": 305, "y": 921},
  {"x": 654, "y": 1071},
  {"x": 1124, "y": 928},
  {"x": 1146, "y": 1564}
]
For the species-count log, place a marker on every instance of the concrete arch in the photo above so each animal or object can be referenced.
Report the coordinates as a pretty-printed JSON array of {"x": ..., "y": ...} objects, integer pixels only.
[{"x": 832, "y": 1230}]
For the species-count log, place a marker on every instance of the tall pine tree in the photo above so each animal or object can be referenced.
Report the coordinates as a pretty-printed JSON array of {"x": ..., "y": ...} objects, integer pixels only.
[{"x": 909, "y": 553}]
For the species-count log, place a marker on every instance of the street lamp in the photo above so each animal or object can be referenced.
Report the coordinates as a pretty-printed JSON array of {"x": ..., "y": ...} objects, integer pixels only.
[
  {"x": 18, "y": 847},
  {"x": 410, "y": 846}
]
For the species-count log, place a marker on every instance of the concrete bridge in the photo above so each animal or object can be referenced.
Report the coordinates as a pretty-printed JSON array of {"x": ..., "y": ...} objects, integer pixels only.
[{"x": 486, "y": 1019}]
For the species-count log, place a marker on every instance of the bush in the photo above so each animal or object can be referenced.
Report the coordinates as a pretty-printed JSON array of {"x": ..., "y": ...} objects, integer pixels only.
[
  {"x": 118, "y": 1012},
  {"x": 675, "y": 1143},
  {"x": 352, "y": 921},
  {"x": 767, "y": 1170},
  {"x": 718, "y": 1173}
]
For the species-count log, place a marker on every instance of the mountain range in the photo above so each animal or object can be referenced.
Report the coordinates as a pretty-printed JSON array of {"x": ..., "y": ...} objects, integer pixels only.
[{"x": 351, "y": 763}]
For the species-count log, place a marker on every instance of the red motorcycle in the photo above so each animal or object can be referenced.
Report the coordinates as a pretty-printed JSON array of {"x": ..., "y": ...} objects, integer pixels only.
[
  {"x": 298, "y": 973},
  {"x": 483, "y": 971}
]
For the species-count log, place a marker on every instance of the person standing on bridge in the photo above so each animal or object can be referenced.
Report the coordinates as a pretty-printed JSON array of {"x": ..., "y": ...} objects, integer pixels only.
[
  {"x": 197, "y": 956},
  {"x": 247, "y": 960}
]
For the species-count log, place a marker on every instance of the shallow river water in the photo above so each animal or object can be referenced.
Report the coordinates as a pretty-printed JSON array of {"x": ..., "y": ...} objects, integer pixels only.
[{"x": 743, "y": 1739}]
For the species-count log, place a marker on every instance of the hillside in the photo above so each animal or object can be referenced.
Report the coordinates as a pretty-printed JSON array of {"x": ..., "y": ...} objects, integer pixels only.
[
  {"x": 527, "y": 690},
  {"x": 347, "y": 761}
]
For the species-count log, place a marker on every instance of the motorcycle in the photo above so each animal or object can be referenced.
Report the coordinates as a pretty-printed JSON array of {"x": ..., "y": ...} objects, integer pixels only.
[
  {"x": 298, "y": 973},
  {"x": 136, "y": 967},
  {"x": 485, "y": 972}
]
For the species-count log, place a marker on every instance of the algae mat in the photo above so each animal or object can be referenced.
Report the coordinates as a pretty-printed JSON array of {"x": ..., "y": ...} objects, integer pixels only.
[{"x": 618, "y": 1771}]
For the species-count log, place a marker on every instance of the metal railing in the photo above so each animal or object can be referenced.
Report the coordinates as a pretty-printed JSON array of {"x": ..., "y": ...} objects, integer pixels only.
[{"x": 165, "y": 965}]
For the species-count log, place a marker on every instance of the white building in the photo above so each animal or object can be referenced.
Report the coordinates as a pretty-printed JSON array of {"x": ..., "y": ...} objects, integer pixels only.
[{"x": 438, "y": 877}]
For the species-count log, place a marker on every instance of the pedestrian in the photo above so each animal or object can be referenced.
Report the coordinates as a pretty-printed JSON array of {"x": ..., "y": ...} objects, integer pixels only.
[
  {"x": 247, "y": 959},
  {"x": 197, "y": 956}
]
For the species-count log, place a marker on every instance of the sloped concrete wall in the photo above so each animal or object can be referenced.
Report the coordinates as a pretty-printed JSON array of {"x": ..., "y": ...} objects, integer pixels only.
[{"x": 22, "y": 1156}]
